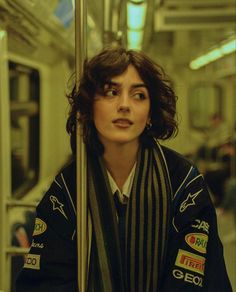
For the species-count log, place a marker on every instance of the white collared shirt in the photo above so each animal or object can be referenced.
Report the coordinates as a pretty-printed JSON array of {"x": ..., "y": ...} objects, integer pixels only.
[{"x": 126, "y": 190}]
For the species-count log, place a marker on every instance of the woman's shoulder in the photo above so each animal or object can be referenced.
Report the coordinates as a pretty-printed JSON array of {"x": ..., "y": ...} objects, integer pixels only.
[
  {"x": 66, "y": 177},
  {"x": 176, "y": 161},
  {"x": 191, "y": 199},
  {"x": 58, "y": 205},
  {"x": 180, "y": 168}
]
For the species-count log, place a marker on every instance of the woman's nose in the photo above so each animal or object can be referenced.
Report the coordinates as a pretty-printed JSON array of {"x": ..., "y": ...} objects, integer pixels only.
[{"x": 124, "y": 102}]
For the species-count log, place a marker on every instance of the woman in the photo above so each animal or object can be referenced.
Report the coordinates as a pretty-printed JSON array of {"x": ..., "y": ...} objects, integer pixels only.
[{"x": 152, "y": 225}]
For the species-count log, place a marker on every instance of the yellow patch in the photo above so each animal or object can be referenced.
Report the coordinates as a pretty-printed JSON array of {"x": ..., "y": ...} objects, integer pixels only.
[
  {"x": 32, "y": 261},
  {"x": 197, "y": 241},
  {"x": 190, "y": 261},
  {"x": 39, "y": 227}
]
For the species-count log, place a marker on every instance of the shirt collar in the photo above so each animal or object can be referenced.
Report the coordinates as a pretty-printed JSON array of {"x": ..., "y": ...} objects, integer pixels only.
[{"x": 126, "y": 190}]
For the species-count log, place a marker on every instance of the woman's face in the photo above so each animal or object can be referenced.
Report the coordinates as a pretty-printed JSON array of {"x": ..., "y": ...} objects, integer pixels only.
[{"x": 122, "y": 111}]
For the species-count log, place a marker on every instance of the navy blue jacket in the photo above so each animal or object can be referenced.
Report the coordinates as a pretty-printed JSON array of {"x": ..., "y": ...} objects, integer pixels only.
[{"x": 195, "y": 255}]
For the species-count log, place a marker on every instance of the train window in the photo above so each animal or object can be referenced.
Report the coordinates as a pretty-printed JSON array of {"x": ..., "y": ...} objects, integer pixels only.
[
  {"x": 204, "y": 100},
  {"x": 24, "y": 112}
]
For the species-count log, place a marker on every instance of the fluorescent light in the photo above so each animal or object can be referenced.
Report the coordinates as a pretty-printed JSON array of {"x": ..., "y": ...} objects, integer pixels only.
[
  {"x": 213, "y": 55},
  {"x": 135, "y": 39},
  {"x": 229, "y": 47},
  {"x": 136, "y": 15},
  {"x": 197, "y": 63}
]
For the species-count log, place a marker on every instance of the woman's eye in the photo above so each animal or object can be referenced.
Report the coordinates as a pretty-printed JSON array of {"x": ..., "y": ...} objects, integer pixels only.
[
  {"x": 139, "y": 95},
  {"x": 111, "y": 92}
]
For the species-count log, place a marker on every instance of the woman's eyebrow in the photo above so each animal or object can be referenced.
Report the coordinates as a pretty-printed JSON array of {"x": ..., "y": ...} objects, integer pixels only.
[
  {"x": 135, "y": 85},
  {"x": 112, "y": 83}
]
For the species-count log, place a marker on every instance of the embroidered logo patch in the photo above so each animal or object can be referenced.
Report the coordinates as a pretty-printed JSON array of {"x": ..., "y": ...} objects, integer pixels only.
[
  {"x": 39, "y": 227},
  {"x": 201, "y": 225},
  {"x": 189, "y": 201},
  {"x": 197, "y": 241},
  {"x": 56, "y": 205},
  {"x": 190, "y": 261},
  {"x": 37, "y": 244},
  {"x": 188, "y": 277},
  {"x": 32, "y": 261}
]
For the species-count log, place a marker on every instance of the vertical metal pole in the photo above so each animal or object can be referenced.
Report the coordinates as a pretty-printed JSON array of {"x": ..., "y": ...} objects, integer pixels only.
[
  {"x": 5, "y": 165},
  {"x": 81, "y": 181}
]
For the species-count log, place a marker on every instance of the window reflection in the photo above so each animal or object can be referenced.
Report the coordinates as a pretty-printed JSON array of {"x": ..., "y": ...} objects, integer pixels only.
[{"x": 24, "y": 107}]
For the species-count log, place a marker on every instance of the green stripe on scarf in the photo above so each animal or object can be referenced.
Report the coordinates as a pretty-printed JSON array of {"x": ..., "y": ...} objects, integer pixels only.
[{"x": 147, "y": 223}]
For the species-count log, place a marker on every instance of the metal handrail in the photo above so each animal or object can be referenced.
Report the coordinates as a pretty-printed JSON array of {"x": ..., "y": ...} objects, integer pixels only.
[
  {"x": 80, "y": 55},
  {"x": 13, "y": 250},
  {"x": 17, "y": 203}
]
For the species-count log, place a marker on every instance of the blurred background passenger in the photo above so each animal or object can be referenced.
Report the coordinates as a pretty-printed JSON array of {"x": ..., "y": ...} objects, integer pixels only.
[
  {"x": 228, "y": 202},
  {"x": 214, "y": 138},
  {"x": 214, "y": 157}
]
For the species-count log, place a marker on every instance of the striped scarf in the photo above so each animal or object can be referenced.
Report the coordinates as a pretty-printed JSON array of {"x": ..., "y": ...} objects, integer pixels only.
[{"x": 147, "y": 225}]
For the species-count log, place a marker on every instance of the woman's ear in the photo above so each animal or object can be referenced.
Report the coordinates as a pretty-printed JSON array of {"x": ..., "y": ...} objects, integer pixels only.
[
  {"x": 149, "y": 123},
  {"x": 149, "y": 118}
]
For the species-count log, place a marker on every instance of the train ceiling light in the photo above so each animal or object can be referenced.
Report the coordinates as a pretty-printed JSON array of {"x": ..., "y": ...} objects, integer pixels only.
[
  {"x": 135, "y": 39},
  {"x": 136, "y": 17},
  {"x": 216, "y": 53}
]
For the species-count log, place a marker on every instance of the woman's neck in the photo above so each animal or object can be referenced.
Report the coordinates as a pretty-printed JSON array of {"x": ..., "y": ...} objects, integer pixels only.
[{"x": 119, "y": 160}]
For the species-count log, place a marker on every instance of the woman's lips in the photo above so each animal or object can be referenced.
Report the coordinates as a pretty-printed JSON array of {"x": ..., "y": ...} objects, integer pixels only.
[{"x": 124, "y": 123}]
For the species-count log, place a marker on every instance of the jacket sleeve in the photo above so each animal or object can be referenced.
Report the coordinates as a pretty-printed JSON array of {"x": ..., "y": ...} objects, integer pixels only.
[
  {"x": 195, "y": 254},
  {"x": 50, "y": 265}
]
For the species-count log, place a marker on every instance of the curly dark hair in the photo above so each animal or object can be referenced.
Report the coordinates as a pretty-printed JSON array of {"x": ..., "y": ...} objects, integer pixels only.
[{"x": 98, "y": 71}]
